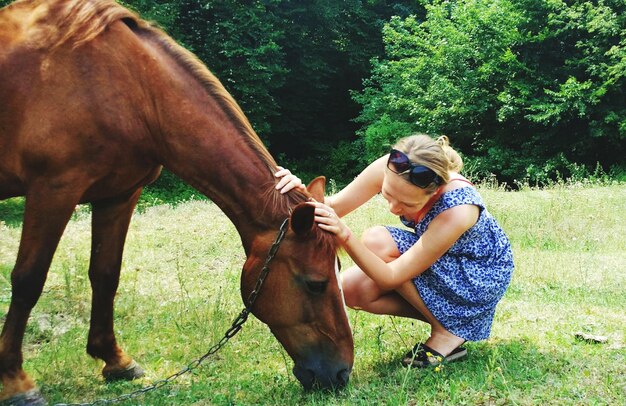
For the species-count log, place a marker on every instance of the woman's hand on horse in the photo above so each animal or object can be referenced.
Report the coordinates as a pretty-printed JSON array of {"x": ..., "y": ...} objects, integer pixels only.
[
  {"x": 327, "y": 220},
  {"x": 288, "y": 181}
]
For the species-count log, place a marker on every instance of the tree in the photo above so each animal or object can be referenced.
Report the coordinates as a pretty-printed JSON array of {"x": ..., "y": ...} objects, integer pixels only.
[
  {"x": 517, "y": 85},
  {"x": 327, "y": 46},
  {"x": 239, "y": 42}
]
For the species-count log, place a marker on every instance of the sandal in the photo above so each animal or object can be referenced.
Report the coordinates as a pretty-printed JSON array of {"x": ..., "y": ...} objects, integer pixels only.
[{"x": 422, "y": 356}]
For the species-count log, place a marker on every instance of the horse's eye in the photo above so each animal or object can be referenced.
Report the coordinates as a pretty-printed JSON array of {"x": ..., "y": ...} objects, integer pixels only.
[{"x": 316, "y": 287}]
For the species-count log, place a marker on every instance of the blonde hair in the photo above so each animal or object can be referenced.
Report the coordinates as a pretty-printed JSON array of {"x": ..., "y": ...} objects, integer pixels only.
[{"x": 437, "y": 155}]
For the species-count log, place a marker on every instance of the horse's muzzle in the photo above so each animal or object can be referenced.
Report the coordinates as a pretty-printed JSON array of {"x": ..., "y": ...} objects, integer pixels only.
[{"x": 313, "y": 375}]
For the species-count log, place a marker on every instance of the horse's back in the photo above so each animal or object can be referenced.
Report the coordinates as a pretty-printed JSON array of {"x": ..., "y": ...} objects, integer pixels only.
[
  {"x": 70, "y": 97},
  {"x": 15, "y": 56},
  {"x": 25, "y": 24},
  {"x": 18, "y": 30}
]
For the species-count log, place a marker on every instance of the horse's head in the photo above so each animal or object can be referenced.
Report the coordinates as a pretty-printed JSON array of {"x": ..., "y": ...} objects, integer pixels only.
[{"x": 300, "y": 300}]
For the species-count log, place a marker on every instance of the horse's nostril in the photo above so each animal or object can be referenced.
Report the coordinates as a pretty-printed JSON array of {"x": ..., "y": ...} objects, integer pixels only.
[
  {"x": 343, "y": 376},
  {"x": 322, "y": 379}
]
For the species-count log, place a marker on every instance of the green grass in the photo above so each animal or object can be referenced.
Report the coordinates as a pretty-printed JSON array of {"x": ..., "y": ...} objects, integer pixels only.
[{"x": 180, "y": 291}]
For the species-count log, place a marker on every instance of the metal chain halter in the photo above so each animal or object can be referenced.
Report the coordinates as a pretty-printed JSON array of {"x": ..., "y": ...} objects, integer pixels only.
[{"x": 230, "y": 333}]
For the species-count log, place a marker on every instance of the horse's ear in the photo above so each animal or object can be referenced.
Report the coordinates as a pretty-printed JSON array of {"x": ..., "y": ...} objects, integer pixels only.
[
  {"x": 317, "y": 188},
  {"x": 303, "y": 216},
  {"x": 302, "y": 219}
]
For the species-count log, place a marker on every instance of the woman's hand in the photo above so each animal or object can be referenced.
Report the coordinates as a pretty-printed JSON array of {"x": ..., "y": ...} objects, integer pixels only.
[
  {"x": 288, "y": 181},
  {"x": 327, "y": 220}
]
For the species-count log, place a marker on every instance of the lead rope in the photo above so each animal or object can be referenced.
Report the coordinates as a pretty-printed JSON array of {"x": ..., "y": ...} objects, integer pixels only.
[{"x": 230, "y": 333}]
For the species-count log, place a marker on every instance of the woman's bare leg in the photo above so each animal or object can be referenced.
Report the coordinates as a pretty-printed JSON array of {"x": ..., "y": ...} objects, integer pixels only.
[
  {"x": 440, "y": 340},
  {"x": 361, "y": 292}
]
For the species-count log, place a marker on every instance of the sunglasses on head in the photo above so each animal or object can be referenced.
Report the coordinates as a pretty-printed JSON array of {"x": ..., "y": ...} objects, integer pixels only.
[{"x": 419, "y": 175}]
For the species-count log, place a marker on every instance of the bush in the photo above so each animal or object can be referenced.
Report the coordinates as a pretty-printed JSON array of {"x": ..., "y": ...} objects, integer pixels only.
[
  {"x": 170, "y": 189},
  {"x": 525, "y": 87}
]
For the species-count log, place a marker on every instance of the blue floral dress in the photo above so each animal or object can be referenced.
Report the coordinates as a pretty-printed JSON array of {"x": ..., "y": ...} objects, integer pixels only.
[{"x": 461, "y": 289}]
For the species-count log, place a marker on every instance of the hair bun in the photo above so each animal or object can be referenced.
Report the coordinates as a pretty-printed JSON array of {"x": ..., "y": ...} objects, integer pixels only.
[
  {"x": 443, "y": 140},
  {"x": 455, "y": 160}
]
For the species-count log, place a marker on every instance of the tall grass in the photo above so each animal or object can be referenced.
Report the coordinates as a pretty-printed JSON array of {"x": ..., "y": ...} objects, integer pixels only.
[{"x": 180, "y": 290}]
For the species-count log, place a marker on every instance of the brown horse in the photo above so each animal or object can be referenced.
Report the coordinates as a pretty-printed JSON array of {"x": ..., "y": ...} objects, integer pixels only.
[{"x": 93, "y": 102}]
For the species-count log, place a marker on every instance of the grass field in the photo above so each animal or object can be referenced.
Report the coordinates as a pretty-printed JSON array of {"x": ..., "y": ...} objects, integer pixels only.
[{"x": 180, "y": 291}]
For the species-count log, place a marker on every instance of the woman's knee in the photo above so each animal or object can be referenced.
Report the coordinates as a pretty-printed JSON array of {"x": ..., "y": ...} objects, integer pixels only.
[
  {"x": 350, "y": 288},
  {"x": 378, "y": 240},
  {"x": 353, "y": 287}
]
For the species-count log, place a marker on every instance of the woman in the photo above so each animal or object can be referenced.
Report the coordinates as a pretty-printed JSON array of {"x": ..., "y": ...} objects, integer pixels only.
[{"x": 450, "y": 270}]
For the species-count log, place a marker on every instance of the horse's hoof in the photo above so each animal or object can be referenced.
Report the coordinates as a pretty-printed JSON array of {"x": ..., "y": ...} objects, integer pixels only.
[
  {"x": 29, "y": 398},
  {"x": 133, "y": 371}
]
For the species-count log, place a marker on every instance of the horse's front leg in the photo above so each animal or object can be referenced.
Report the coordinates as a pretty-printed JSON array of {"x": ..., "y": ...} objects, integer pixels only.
[
  {"x": 109, "y": 227},
  {"x": 47, "y": 211}
]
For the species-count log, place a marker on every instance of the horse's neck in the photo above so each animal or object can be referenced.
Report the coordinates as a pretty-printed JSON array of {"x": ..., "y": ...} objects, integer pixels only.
[
  {"x": 204, "y": 138},
  {"x": 214, "y": 160}
]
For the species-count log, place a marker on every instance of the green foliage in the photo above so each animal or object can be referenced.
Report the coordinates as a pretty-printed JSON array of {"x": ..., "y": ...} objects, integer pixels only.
[
  {"x": 160, "y": 12},
  {"x": 516, "y": 85},
  {"x": 345, "y": 163},
  {"x": 438, "y": 74},
  {"x": 168, "y": 188},
  {"x": 381, "y": 135},
  {"x": 12, "y": 211},
  {"x": 327, "y": 47},
  {"x": 239, "y": 42}
]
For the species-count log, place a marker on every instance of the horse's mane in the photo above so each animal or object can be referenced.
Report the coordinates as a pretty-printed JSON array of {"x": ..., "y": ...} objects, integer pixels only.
[
  {"x": 52, "y": 23},
  {"x": 77, "y": 22}
]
